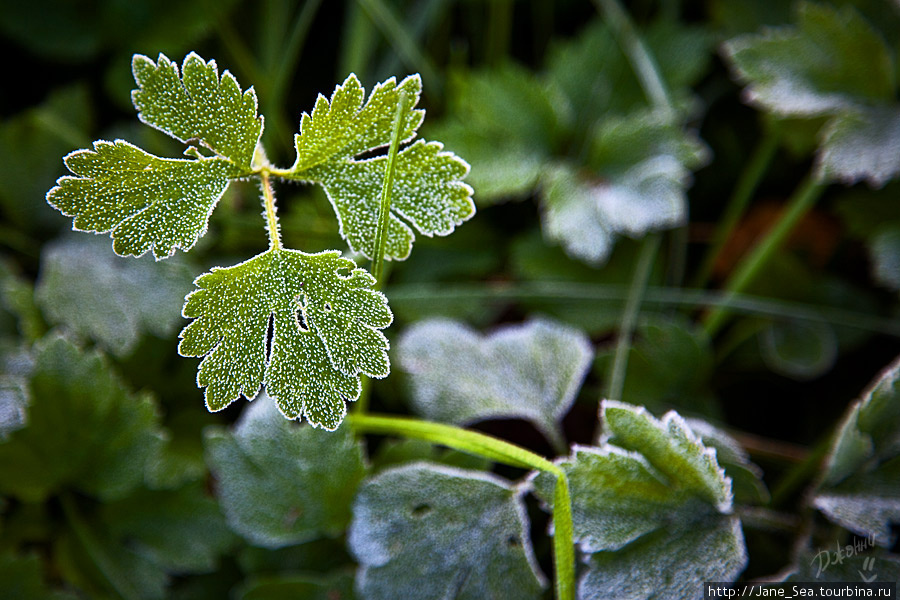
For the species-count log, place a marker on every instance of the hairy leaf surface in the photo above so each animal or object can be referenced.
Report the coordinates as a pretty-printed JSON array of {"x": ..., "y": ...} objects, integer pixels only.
[
  {"x": 150, "y": 203},
  {"x": 197, "y": 106},
  {"x": 428, "y": 192},
  {"x": 100, "y": 296},
  {"x": 324, "y": 320},
  {"x": 84, "y": 430},
  {"x": 430, "y": 532},
  {"x": 531, "y": 371},
  {"x": 651, "y": 509},
  {"x": 280, "y": 484},
  {"x": 861, "y": 487}
]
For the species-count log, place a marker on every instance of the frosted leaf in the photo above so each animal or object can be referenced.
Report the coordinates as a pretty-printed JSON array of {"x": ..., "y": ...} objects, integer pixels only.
[
  {"x": 84, "y": 430},
  {"x": 428, "y": 532},
  {"x": 428, "y": 192},
  {"x": 651, "y": 509},
  {"x": 832, "y": 59},
  {"x": 280, "y": 484},
  {"x": 324, "y": 320},
  {"x": 98, "y": 295},
  {"x": 531, "y": 371},
  {"x": 197, "y": 106},
  {"x": 143, "y": 201},
  {"x": 861, "y": 484},
  {"x": 832, "y": 63},
  {"x": 885, "y": 250},
  {"x": 13, "y": 405},
  {"x": 746, "y": 477}
]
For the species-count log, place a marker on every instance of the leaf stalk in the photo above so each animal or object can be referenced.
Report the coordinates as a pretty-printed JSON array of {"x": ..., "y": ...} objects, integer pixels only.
[
  {"x": 271, "y": 212},
  {"x": 384, "y": 213}
]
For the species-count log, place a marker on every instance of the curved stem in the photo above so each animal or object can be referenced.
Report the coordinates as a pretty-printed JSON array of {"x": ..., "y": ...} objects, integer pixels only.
[
  {"x": 384, "y": 214},
  {"x": 752, "y": 264},
  {"x": 270, "y": 211},
  {"x": 498, "y": 451}
]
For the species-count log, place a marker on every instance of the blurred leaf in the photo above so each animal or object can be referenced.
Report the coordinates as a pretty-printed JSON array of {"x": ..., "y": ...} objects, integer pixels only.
[
  {"x": 338, "y": 586},
  {"x": 280, "y": 483},
  {"x": 94, "y": 293},
  {"x": 861, "y": 482},
  {"x": 84, "y": 430},
  {"x": 325, "y": 322},
  {"x": 14, "y": 402},
  {"x": 428, "y": 190},
  {"x": 833, "y": 563},
  {"x": 21, "y": 579},
  {"x": 651, "y": 509},
  {"x": 425, "y": 531},
  {"x": 669, "y": 366},
  {"x": 885, "y": 249},
  {"x": 531, "y": 371},
  {"x": 801, "y": 350},
  {"x": 179, "y": 460},
  {"x": 832, "y": 63},
  {"x": 30, "y": 146},
  {"x": 17, "y": 297},
  {"x": 732, "y": 17}
]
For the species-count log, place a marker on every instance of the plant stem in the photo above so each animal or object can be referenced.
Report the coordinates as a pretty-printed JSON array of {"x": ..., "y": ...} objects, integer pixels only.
[
  {"x": 752, "y": 264},
  {"x": 636, "y": 292},
  {"x": 641, "y": 60},
  {"x": 384, "y": 214},
  {"x": 499, "y": 451},
  {"x": 498, "y": 30},
  {"x": 270, "y": 211},
  {"x": 98, "y": 555},
  {"x": 746, "y": 185}
]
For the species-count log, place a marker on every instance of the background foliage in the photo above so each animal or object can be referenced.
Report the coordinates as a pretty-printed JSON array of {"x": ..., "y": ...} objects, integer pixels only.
[{"x": 618, "y": 217}]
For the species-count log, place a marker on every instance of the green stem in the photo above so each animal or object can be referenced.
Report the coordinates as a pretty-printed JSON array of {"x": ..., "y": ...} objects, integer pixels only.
[
  {"x": 95, "y": 551},
  {"x": 568, "y": 293},
  {"x": 498, "y": 30},
  {"x": 384, "y": 214},
  {"x": 498, "y": 451},
  {"x": 641, "y": 60},
  {"x": 630, "y": 314},
  {"x": 270, "y": 211},
  {"x": 802, "y": 472},
  {"x": 753, "y": 263},
  {"x": 743, "y": 192}
]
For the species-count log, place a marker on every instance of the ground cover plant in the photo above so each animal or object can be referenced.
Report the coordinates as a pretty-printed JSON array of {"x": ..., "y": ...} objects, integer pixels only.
[{"x": 617, "y": 318}]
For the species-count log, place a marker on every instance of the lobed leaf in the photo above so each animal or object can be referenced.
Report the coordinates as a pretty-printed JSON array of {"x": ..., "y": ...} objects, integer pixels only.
[
  {"x": 651, "y": 509},
  {"x": 862, "y": 144},
  {"x": 429, "y": 532},
  {"x": 861, "y": 483},
  {"x": 531, "y": 371},
  {"x": 280, "y": 484},
  {"x": 428, "y": 191},
  {"x": 97, "y": 295},
  {"x": 197, "y": 106},
  {"x": 84, "y": 430},
  {"x": 831, "y": 60},
  {"x": 143, "y": 201},
  {"x": 324, "y": 320}
]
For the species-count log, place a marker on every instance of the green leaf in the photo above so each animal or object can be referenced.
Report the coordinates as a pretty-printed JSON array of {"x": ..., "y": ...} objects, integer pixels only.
[
  {"x": 160, "y": 204},
  {"x": 280, "y": 484},
  {"x": 531, "y": 371},
  {"x": 861, "y": 482},
  {"x": 424, "y": 531},
  {"x": 862, "y": 144},
  {"x": 651, "y": 509},
  {"x": 324, "y": 320},
  {"x": 99, "y": 296},
  {"x": 885, "y": 249},
  {"x": 198, "y": 105},
  {"x": 22, "y": 579},
  {"x": 84, "y": 430},
  {"x": 428, "y": 191},
  {"x": 143, "y": 201},
  {"x": 801, "y": 350},
  {"x": 830, "y": 61},
  {"x": 14, "y": 402},
  {"x": 17, "y": 297},
  {"x": 746, "y": 477}
]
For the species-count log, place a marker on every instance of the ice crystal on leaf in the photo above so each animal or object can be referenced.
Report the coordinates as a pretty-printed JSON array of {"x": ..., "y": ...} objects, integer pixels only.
[{"x": 428, "y": 191}]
